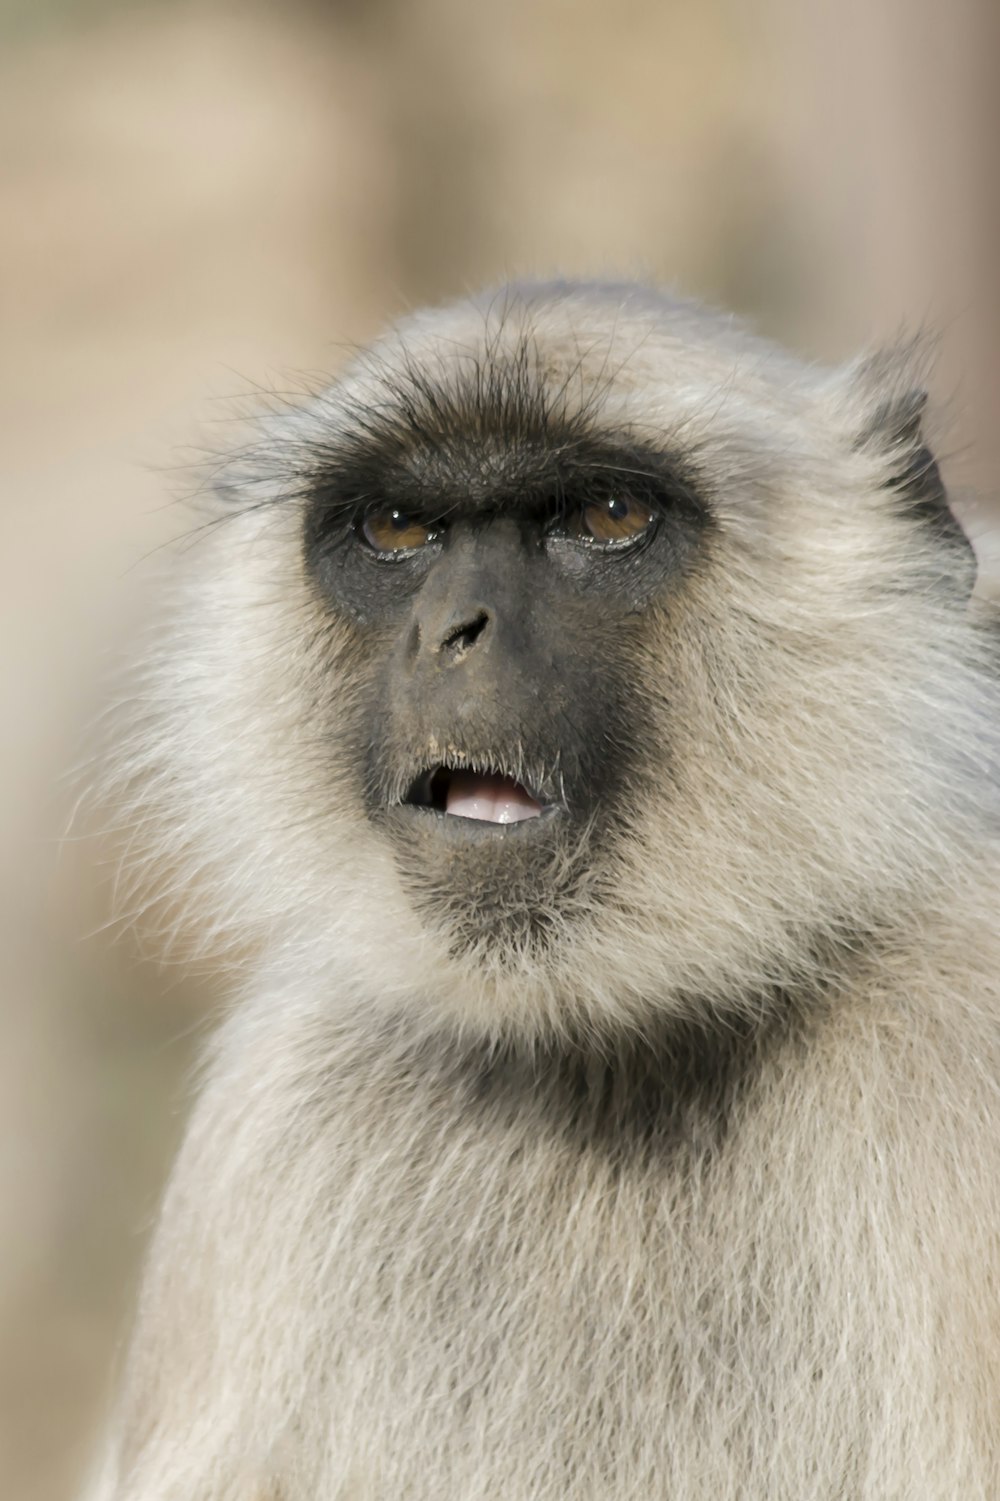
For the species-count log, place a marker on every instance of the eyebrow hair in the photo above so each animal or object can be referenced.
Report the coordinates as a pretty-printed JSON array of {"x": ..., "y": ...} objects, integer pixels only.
[{"x": 487, "y": 436}]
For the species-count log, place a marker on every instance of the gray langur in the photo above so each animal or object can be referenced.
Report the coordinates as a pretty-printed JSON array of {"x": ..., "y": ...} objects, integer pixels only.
[{"x": 580, "y": 721}]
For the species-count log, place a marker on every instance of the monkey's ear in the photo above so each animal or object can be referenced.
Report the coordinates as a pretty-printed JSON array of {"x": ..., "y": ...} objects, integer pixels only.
[{"x": 894, "y": 428}]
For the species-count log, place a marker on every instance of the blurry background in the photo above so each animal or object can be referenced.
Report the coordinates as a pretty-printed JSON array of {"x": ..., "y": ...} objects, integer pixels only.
[{"x": 199, "y": 198}]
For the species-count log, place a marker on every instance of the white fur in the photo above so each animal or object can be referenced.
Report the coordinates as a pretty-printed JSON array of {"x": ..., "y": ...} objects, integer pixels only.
[{"x": 363, "y": 1288}]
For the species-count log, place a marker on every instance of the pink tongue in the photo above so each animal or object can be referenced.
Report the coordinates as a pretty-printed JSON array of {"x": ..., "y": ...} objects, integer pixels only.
[{"x": 490, "y": 799}]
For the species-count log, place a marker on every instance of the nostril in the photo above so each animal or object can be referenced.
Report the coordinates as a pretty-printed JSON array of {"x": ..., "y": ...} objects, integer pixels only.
[{"x": 465, "y": 636}]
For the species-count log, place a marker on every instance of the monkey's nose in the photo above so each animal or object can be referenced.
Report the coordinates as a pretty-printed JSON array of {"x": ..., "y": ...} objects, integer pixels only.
[{"x": 464, "y": 632}]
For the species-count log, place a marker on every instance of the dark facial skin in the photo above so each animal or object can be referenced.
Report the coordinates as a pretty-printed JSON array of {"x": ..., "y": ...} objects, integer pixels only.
[{"x": 501, "y": 582}]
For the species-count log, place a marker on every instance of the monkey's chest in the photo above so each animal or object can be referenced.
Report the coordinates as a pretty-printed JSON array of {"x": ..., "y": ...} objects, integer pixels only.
[{"x": 517, "y": 1318}]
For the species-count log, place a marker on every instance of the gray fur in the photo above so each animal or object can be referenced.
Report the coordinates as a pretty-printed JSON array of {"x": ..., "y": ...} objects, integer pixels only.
[{"x": 393, "y": 1262}]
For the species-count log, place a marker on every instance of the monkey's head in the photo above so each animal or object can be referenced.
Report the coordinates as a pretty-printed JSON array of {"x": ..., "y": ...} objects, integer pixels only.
[{"x": 577, "y": 659}]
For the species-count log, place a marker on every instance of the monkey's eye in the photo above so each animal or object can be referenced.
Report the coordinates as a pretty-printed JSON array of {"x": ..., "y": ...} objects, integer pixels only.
[
  {"x": 395, "y": 531},
  {"x": 613, "y": 520}
]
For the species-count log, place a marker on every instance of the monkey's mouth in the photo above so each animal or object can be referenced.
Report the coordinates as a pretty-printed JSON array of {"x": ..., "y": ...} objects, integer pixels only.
[{"x": 482, "y": 796}]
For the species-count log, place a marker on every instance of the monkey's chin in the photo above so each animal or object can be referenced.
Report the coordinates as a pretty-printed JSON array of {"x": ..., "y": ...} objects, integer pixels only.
[{"x": 494, "y": 888}]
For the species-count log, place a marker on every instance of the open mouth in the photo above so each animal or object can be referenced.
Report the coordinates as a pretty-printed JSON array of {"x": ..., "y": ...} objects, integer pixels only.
[{"x": 487, "y": 797}]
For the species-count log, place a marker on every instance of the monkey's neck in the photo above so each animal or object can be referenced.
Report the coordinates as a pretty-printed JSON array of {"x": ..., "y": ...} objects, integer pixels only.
[{"x": 678, "y": 1086}]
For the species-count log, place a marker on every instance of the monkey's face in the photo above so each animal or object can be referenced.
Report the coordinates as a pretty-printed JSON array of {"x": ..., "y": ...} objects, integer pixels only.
[
  {"x": 497, "y": 577},
  {"x": 580, "y": 654}
]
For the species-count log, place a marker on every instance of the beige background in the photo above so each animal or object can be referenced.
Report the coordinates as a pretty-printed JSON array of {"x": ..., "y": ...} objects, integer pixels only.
[{"x": 199, "y": 199}]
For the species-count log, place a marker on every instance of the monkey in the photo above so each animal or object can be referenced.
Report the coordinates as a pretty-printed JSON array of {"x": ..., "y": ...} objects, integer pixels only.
[{"x": 579, "y": 719}]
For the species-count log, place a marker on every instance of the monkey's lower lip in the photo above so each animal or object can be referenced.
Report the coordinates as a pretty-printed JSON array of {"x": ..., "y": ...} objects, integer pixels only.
[{"x": 483, "y": 797}]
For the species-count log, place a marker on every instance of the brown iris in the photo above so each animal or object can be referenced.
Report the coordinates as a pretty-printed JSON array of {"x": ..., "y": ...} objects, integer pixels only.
[
  {"x": 395, "y": 531},
  {"x": 614, "y": 519}
]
